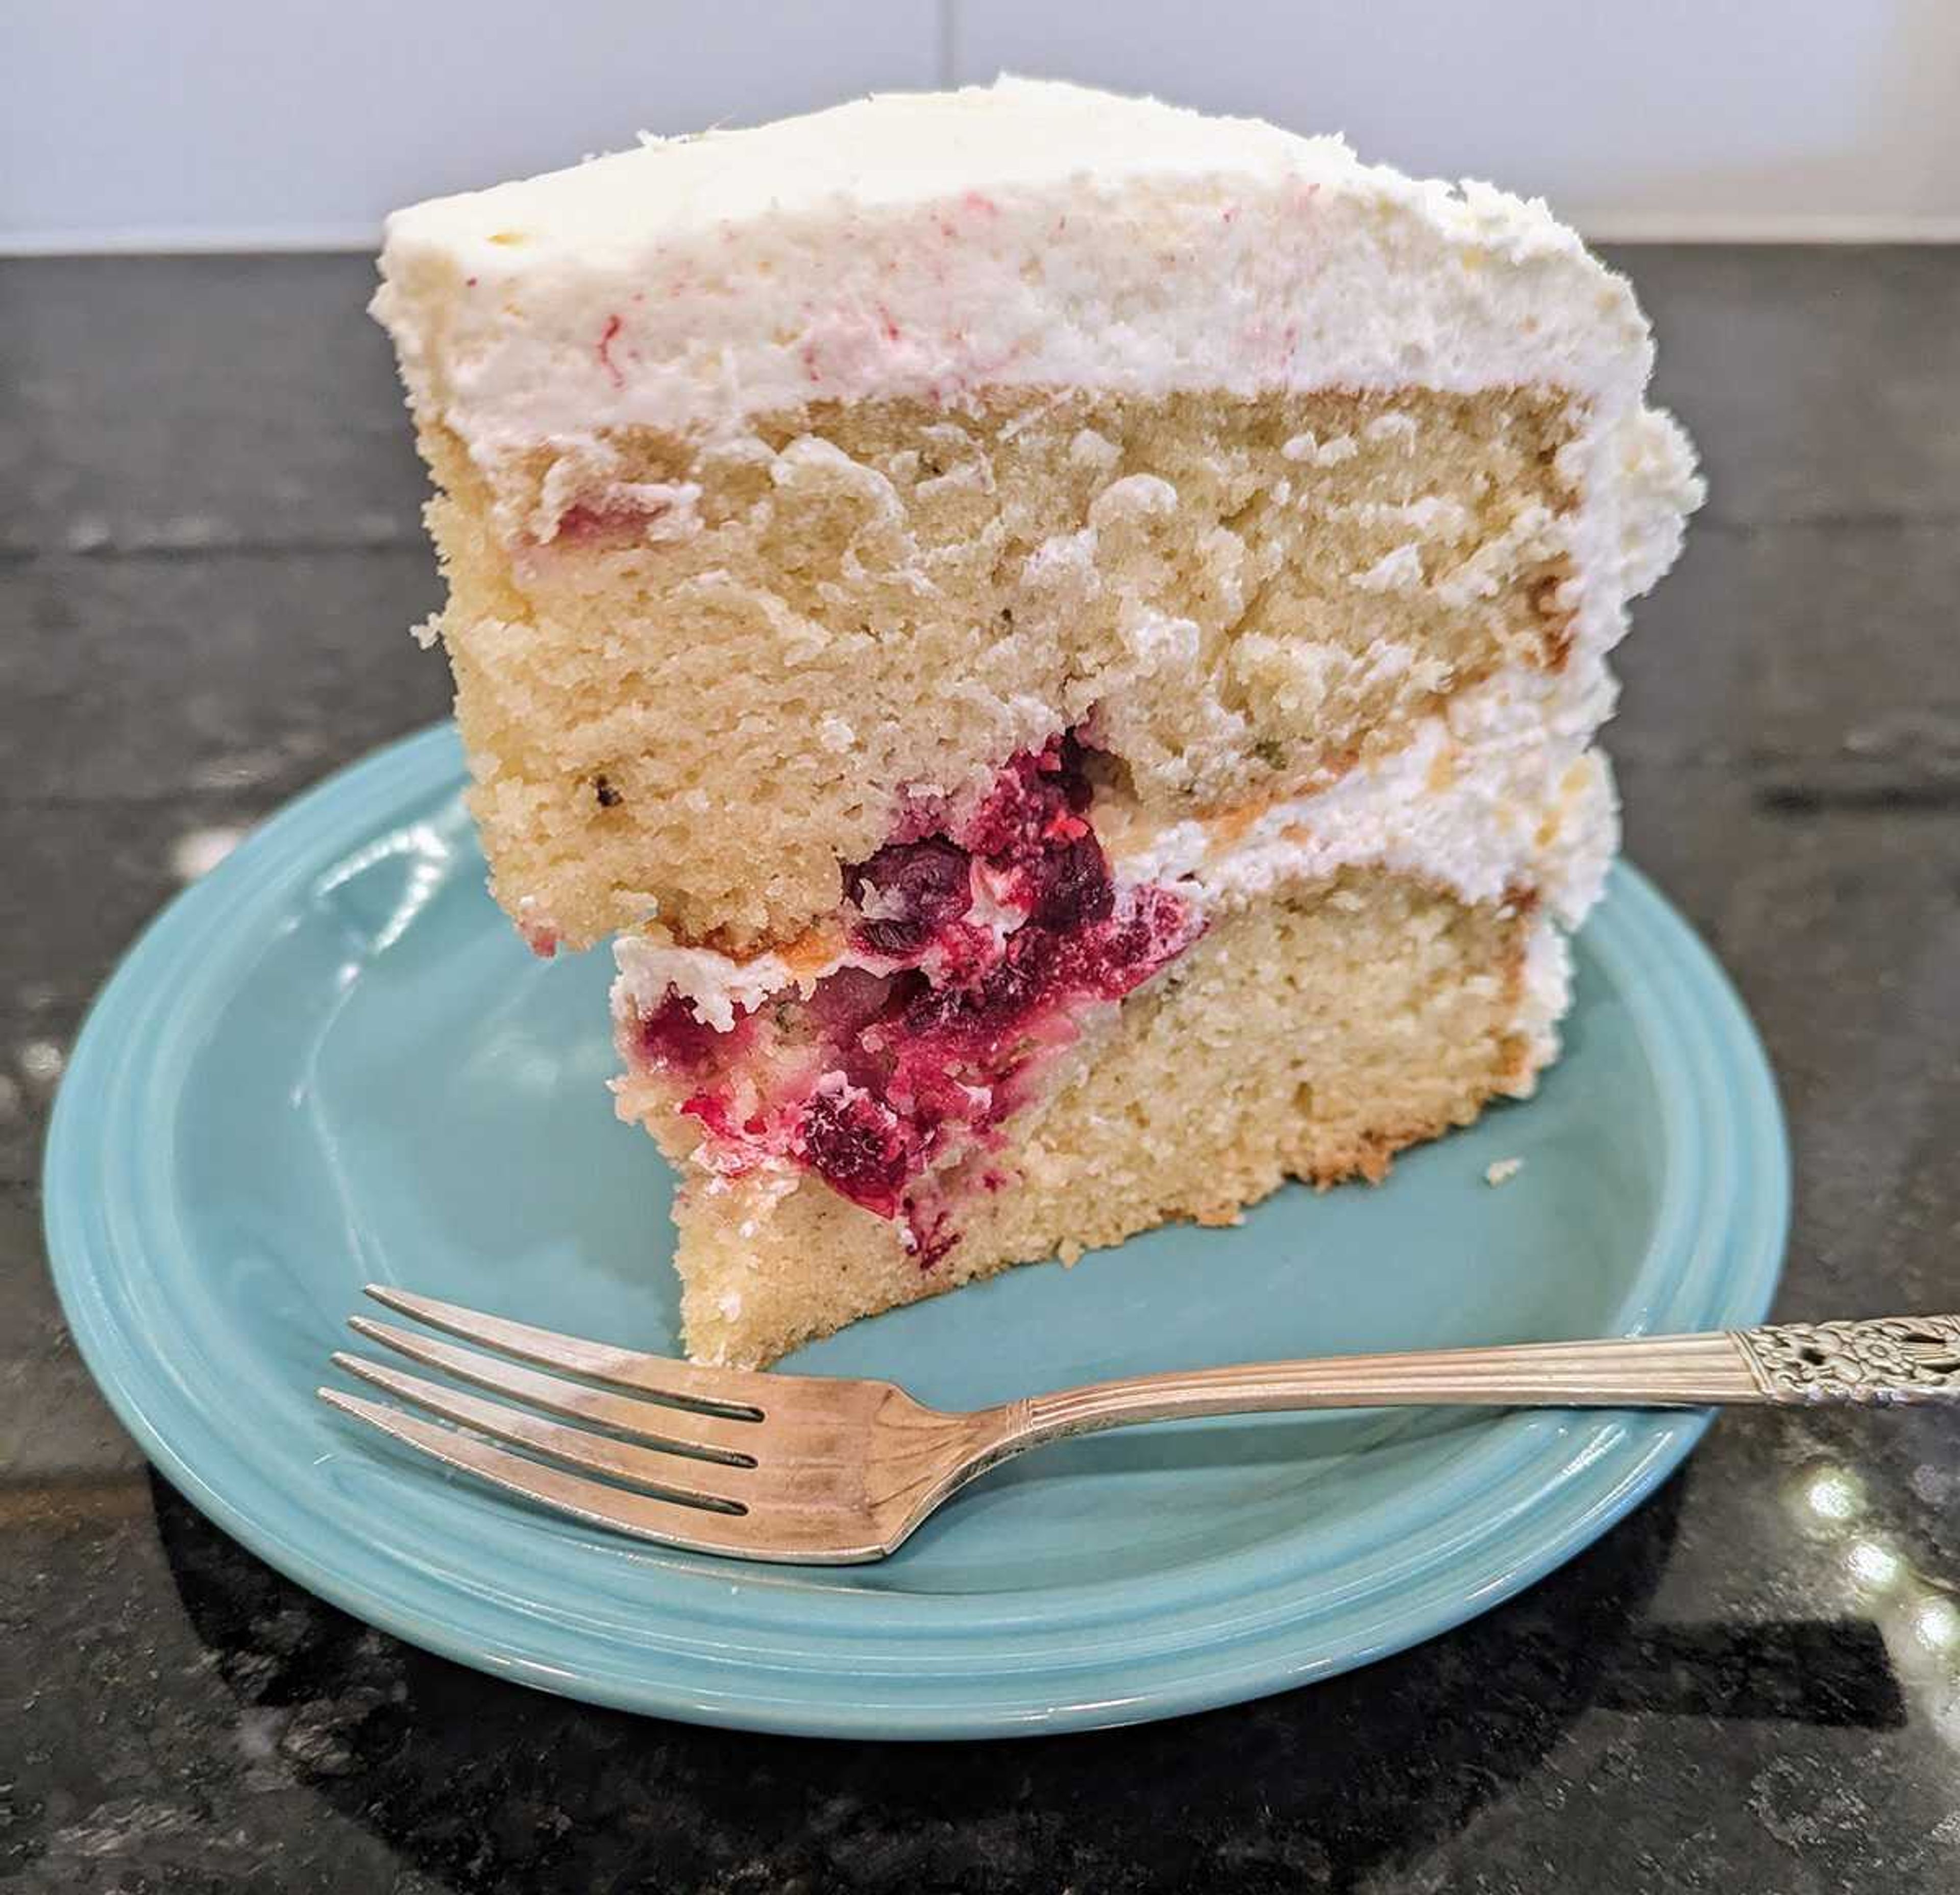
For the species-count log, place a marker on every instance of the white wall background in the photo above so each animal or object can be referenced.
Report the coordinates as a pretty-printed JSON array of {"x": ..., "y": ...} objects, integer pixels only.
[{"x": 165, "y": 124}]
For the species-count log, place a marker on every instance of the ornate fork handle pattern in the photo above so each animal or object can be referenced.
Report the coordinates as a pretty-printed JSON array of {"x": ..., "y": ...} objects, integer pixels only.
[{"x": 1893, "y": 1359}]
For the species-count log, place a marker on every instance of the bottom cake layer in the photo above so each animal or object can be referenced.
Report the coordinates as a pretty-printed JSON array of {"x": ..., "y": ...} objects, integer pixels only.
[{"x": 1310, "y": 1035}]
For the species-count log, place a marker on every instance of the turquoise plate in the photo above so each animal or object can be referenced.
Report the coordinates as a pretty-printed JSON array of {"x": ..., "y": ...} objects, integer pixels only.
[{"x": 331, "y": 1060}]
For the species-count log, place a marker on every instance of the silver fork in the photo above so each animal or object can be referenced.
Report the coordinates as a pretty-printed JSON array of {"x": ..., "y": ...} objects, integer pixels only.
[{"x": 820, "y": 1471}]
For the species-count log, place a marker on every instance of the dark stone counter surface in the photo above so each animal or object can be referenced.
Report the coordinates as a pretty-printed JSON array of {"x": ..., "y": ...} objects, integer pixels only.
[{"x": 209, "y": 554}]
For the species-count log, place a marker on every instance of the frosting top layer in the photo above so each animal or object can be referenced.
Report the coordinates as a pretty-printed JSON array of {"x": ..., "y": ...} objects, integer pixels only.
[
  {"x": 1025, "y": 234},
  {"x": 903, "y": 150}
]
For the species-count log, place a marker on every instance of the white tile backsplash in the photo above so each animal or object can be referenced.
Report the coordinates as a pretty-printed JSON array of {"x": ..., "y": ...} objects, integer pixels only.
[
  {"x": 204, "y": 122},
  {"x": 1752, "y": 117},
  {"x": 210, "y": 122}
]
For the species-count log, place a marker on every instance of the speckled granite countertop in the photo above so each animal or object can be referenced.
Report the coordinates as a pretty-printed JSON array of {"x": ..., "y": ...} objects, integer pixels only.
[{"x": 208, "y": 553}]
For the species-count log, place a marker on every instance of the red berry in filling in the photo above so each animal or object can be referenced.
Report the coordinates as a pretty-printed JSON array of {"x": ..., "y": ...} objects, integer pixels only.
[
  {"x": 671, "y": 1038},
  {"x": 843, "y": 1004},
  {"x": 859, "y": 1146},
  {"x": 907, "y": 892},
  {"x": 1072, "y": 884}
]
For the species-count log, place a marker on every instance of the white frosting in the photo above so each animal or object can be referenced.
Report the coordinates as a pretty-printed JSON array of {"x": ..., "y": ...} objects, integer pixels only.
[
  {"x": 1023, "y": 234},
  {"x": 1547, "y": 995},
  {"x": 716, "y": 985},
  {"x": 1498, "y": 792}
]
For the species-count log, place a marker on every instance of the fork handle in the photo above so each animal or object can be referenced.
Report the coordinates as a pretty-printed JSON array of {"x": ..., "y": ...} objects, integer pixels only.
[{"x": 1887, "y": 1359}]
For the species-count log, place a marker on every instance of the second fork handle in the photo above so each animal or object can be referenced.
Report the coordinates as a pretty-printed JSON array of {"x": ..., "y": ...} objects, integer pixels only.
[{"x": 1891, "y": 1359}]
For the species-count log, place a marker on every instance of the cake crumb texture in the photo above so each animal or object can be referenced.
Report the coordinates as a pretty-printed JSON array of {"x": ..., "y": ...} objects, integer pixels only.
[
  {"x": 692, "y": 712},
  {"x": 1311, "y": 1035}
]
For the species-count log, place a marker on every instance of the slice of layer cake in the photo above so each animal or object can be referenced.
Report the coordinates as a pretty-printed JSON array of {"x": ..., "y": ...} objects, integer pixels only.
[{"x": 1062, "y": 635}]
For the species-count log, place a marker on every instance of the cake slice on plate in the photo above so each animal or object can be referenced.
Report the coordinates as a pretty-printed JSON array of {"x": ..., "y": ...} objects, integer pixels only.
[{"x": 1063, "y": 637}]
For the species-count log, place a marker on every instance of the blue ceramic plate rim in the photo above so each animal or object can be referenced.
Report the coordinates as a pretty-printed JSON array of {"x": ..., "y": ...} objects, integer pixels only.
[{"x": 1141, "y": 1647}]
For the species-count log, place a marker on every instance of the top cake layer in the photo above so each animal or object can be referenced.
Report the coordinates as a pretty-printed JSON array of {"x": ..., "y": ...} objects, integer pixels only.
[
  {"x": 796, "y": 480},
  {"x": 1023, "y": 234}
]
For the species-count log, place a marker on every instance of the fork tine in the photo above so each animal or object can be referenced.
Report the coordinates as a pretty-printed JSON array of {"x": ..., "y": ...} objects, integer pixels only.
[
  {"x": 668, "y": 1476},
  {"x": 692, "y": 1529},
  {"x": 665, "y": 1377},
  {"x": 686, "y": 1430}
]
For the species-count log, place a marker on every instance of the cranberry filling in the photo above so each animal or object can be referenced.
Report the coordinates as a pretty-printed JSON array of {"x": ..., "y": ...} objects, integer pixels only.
[
  {"x": 895, "y": 1064},
  {"x": 907, "y": 892},
  {"x": 673, "y": 1040},
  {"x": 859, "y": 1145}
]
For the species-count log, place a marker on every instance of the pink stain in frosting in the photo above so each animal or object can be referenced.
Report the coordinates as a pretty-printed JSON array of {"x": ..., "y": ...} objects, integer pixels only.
[
  {"x": 604, "y": 349},
  {"x": 606, "y": 523}
]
